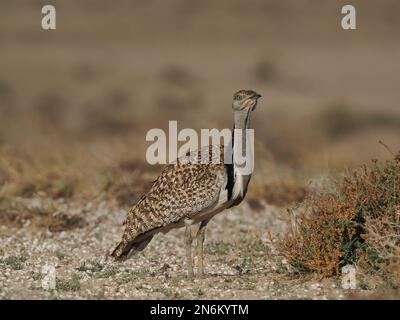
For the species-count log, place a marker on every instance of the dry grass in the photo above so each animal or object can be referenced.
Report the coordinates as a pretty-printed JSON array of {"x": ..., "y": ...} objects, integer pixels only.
[
  {"x": 61, "y": 171},
  {"x": 76, "y": 138},
  {"x": 127, "y": 181},
  {"x": 280, "y": 193},
  {"x": 24, "y": 173},
  {"x": 17, "y": 214},
  {"x": 358, "y": 223}
]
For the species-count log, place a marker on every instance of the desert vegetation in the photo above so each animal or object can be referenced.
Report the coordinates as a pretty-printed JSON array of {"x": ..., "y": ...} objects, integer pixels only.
[
  {"x": 355, "y": 223},
  {"x": 76, "y": 103}
]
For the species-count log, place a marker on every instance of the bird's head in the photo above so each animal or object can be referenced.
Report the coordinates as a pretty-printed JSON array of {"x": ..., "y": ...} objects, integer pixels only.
[{"x": 245, "y": 99}]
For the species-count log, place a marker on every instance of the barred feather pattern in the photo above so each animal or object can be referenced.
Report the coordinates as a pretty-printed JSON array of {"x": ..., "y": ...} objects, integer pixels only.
[{"x": 183, "y": 190}]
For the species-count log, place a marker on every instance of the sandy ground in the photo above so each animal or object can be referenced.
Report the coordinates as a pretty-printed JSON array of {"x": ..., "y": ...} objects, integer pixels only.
[
  {"x": 239, "y": 261},
  {"x": 113, "y": 70}
]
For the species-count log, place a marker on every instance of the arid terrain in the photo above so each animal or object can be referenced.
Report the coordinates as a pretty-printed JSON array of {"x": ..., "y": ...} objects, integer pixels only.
[{"x": 76, "y": 103}]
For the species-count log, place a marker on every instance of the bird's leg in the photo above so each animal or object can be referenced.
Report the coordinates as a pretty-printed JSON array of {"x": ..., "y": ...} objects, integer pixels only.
[
  {"x": 200, "y": 241},
  {"x": 188, "y": 244}
]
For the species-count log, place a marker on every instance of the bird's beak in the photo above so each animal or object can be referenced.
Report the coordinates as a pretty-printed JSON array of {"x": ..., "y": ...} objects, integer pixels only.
[{"x": 255, "y": 97}]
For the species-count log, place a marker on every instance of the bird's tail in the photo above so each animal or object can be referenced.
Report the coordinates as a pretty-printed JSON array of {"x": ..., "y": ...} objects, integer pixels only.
[{"x": 125, "y": 248}]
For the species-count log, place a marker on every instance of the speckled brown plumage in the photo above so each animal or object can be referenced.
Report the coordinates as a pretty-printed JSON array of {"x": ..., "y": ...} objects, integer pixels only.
[
  {"x": 191, "y": 191},
  {"x": 182, "y": 190}
]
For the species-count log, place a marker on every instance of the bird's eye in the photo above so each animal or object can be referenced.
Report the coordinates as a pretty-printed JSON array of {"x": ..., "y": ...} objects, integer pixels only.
[{"x": 237, "y": 97}]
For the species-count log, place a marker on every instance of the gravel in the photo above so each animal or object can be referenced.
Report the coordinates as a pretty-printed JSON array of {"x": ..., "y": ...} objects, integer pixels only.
[{"x": 240, "y": 263}]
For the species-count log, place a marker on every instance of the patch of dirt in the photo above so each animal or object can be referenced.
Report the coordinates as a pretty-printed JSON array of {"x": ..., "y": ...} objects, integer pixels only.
[
  {"x": 279, "y": 194},
  {"x": 240, "y": 262},
  {"x": 39, "y": 219}
]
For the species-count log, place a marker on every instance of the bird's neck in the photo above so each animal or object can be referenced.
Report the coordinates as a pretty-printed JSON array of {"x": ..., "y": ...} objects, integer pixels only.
[
  {"x": 240, "y": 135},
  {"x": 242, "y": 119},
  {"x": 242, "y": 141}
]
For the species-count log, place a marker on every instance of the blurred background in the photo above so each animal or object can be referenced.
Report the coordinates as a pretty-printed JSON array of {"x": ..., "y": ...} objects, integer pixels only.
[{"x": 78, "y": 101}]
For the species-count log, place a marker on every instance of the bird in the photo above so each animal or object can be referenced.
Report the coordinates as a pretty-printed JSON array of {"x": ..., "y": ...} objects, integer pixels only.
[{"x": 188, "y": 193}]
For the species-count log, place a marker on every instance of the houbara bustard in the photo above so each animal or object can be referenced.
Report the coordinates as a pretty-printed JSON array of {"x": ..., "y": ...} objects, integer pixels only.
[{"x": 186, "y": 193}]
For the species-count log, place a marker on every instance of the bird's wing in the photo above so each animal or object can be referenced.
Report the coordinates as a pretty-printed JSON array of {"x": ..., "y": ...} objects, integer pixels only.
[{"x": 182, "y": 190}]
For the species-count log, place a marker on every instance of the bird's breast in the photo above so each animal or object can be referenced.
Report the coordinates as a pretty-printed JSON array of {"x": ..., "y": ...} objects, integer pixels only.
[{"x": 239, "y": 190}]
